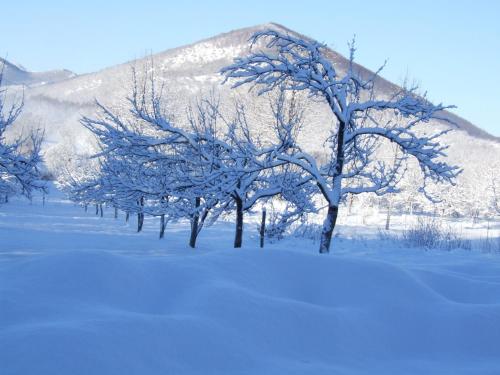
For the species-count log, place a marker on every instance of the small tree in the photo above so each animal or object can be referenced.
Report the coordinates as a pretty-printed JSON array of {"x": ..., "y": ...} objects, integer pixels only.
[
  {"x": 362, "y": 122},
  {"x": 495, "y": 198},
  {"x": 21, "y": 158},
  {"x": 150, "y": 166}
]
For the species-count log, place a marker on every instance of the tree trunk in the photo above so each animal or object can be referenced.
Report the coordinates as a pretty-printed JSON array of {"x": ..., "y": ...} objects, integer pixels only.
[
  {"x": 140, "y": 215},
  {"x": 140, "y": 221},
  {"x": 328, "y": 226},
  {"x": 127, "y": 215},
  {"x": 238, "y": 237},
  {"x": 100, "y": 209},
  {"x": 333, "y": 208},
  {"x": 116, "y": 213},
  {"x": 194, "y": 224},
  {"x": 96, "y": 209},
  {"x": 262, "y": 227},
  {"x": 86, "y": 207},
  {"x": 351, "y": 200},
  {"x": 388, "y": 218},
  {"x": 162, "y": 225}
]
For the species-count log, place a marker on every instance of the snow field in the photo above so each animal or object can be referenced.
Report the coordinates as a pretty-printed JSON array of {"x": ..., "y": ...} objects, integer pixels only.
[{"x": 84, "y": 295}]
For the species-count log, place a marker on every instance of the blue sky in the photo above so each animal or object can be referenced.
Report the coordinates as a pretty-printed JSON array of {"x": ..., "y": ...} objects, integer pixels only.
[{"x": 451, "y": 48}]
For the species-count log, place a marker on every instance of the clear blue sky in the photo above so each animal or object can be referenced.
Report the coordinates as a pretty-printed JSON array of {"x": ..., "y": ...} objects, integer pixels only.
[{"x": 452, "y": 48}]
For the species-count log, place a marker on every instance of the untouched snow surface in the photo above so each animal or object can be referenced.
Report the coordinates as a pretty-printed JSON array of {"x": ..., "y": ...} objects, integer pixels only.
[{"x": 84, "y": 295}]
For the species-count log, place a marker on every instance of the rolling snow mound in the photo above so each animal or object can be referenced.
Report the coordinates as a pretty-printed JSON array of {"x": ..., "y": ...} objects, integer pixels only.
[{"x": 87, "y": 296}]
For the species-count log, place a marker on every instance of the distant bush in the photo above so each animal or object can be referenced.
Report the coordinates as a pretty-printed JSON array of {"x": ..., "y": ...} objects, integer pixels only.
[
  {"x": 308, "y": 231},
  {"x": 431, "y": 234},
  {"x": 385, "y": 235},
  {"x": 490, "y": 245},
  {"x": 47, "y": 176}
]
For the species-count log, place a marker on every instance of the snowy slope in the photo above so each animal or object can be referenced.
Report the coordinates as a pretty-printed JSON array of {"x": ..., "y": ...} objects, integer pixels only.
[
  {"x": 83, "y": 295},
  {"x": 18, "y": 75}
]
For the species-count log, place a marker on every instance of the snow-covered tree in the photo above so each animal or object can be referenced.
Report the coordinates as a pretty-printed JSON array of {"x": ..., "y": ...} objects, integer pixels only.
[
  {"x": 151, "y": 167},
  {"x": 211, "y": 166},
  {"x": 362, "y": 121},
  {"x": 248, "y": 154},
  {"x": 20, "y": 159},
  {"x": 80, "y": 178},
  {"x": 495, "y": 197}
]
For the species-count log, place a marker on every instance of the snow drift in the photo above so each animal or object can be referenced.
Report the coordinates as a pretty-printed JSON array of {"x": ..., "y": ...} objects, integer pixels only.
[{"x": 82, "y": 295}]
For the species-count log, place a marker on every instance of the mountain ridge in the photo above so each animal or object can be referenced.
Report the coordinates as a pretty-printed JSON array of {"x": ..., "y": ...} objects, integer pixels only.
[
  {"x": 237, "y": 38},
  {"x": 18, "y": 75}
]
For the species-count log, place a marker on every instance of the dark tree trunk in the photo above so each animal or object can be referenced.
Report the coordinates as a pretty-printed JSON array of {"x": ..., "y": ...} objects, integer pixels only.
[
  {"x": 140, "y": 221},
  {"x": 333, "y": 208},
  {"x": 86, "y": 207},
  {"x": 100, "y": 209},
  {"x": 194, "y": 224},
  {"x": 238, "y": 237},
  {"x": 351, "y": 200},
  {"x": 127, "y": 215},
  {"x": 328, "y": 227},
  {"x": 262, "y": 228},
  {"x": 388, "y": 217},
  {"x": 162, "y": 217},
  {"x": 116, "y": 213},
  {"x": 162, "y": 226},
  {"x": 140, "y": 215},
  {"x": 97, "y": 209}
]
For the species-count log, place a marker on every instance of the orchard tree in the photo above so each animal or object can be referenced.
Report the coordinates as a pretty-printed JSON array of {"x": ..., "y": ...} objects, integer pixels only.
[
  {"x": 198, "y": 169},
  {"x": 20, "y": 159},
  {"x": 246, "y": 154},
  {"x": 362, "y": 121},
  {"x": 495, "y": 197},
  {"x": 153, "y": 167}
]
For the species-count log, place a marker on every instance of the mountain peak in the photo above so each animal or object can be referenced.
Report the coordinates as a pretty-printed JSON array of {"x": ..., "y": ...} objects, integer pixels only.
[
  {"x": 273, "y": 26},
  {"x": 11, "y": 65},
  {"x": 16, "y": 74}
]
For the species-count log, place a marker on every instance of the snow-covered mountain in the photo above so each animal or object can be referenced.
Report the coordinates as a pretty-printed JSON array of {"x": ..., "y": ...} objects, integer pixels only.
[
  {"x": 192, "y": 71},
  {"x": 14, "y": 74},
  {"x": 189, "y": 70}
]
